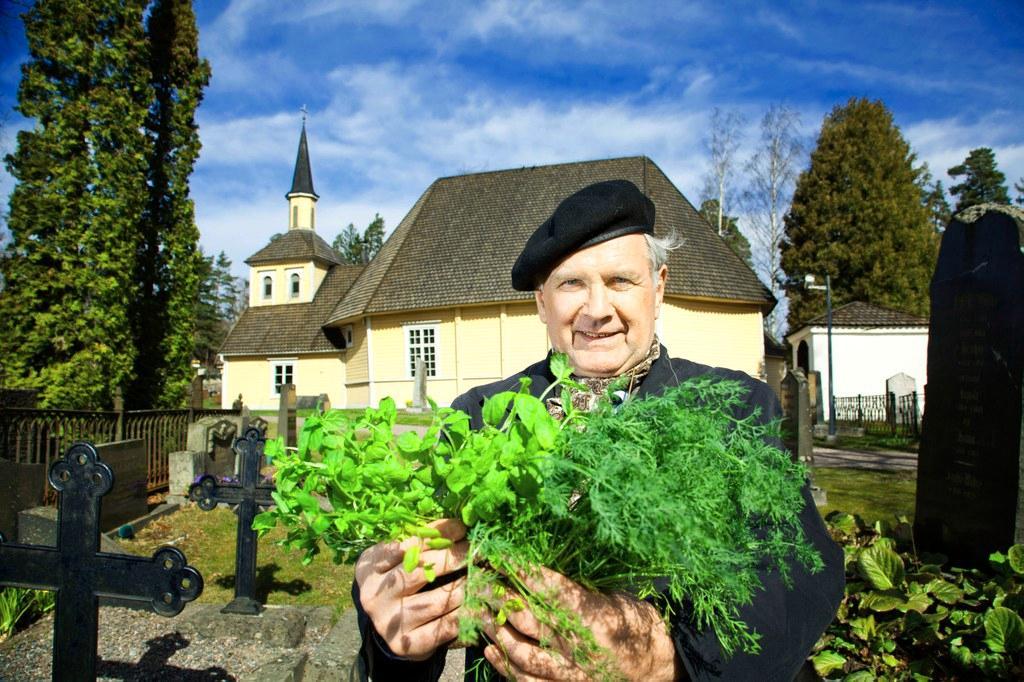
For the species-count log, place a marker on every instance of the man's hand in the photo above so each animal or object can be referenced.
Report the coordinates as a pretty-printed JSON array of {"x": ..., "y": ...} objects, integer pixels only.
[
  {"x": 631, "y": 631},
  {"x": 413, "y": 623}
]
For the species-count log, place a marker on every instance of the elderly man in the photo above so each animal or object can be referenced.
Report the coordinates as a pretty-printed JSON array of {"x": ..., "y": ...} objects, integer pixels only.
[{"x": 598, "y": 275}]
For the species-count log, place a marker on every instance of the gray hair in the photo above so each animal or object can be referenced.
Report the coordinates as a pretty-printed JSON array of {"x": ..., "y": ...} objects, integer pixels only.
[{"x": 659, "y": 248}]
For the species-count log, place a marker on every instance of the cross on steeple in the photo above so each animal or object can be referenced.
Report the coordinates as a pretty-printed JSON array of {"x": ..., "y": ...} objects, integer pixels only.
[{"x": 305, "y": 113}]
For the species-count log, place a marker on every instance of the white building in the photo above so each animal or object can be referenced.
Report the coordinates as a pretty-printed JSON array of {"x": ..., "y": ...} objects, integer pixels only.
[{"x": 870, "y": 344}]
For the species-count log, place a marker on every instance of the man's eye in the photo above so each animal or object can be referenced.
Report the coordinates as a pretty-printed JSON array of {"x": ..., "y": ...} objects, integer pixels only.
[
  {"x": 620, "y": 282},
  {"x": 569, "y": 283}
]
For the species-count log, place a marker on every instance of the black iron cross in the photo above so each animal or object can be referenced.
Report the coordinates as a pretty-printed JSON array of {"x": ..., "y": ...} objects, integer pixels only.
[
  {"x": 247, "y": 495},
  {"x": 80, "y": 573}
]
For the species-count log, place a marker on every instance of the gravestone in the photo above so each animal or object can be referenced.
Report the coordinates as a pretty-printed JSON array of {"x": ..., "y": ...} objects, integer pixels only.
[
  {"x": 21, "y": 487},
  {"x": 796, "y": 416},
  {"x": 900, "y": 385},
  {"x": 80, "y": 574},
  {"x": 214, "y": 436},
  {"x": 419, "y": 387},
  {"x": 969, "y": 482},
  {"x": 248, "y": 494},
  {"x": 286, "y": 415},
  {"x": 127, "y": 500}
]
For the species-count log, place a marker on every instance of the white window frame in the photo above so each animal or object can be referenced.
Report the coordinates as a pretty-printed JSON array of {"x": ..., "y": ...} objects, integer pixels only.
[
  {"x": 421, "y": 327},
  {"x": 294, "y": 276},
  {"x": 288, "y": 368},
  {"x": 263, "y": 286}
]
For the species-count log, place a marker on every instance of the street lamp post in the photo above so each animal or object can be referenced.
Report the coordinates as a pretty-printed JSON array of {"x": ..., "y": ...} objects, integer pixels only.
[{"x": 809, "y": 283}]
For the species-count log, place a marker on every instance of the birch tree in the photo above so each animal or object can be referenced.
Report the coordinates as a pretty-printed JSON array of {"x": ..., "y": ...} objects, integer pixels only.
[
  {"x": 772, "y": 173},
  {"x": 722, "y": 141}
]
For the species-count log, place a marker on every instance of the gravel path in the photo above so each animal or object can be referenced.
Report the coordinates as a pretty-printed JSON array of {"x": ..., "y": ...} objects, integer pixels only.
[{"x": 138, "y": 645}]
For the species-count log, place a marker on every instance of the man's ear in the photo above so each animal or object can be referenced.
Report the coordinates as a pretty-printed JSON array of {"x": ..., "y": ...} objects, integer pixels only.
[
  {"x": 538, "y": 296},
  {"x": 659, "y": 289}
]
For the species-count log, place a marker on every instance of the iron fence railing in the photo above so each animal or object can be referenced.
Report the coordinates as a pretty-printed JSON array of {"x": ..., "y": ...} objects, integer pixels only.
[
  {"x": 886, "y": 414},
  {"x": 38, "y": 436}
]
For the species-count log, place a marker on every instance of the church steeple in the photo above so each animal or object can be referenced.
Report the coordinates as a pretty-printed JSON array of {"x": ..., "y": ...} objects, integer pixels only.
[{"x": 302, "y": 197}]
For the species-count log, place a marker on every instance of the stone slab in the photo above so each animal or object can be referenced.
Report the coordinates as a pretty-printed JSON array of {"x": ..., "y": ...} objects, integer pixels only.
[
  {"x": 277, "y": 626},
  {"x": 38, "y": 526},
  {"x": 337, "y": 657},
  {"x": 285, "y": 668}
]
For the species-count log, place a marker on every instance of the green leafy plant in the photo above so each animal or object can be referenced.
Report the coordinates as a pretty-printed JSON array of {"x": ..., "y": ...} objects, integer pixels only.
[
  {"x": 908, "y": 617},
  {"x": 669, "y": 496},
  {"x": 19, "y": 606}
]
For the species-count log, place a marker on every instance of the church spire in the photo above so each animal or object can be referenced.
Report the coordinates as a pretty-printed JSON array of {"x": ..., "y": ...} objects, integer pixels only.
[{"x": 302, "y": 197}]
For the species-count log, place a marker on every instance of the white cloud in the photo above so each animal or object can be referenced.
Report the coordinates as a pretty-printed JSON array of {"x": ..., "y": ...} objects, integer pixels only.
[{"x": 943, "y": 143}]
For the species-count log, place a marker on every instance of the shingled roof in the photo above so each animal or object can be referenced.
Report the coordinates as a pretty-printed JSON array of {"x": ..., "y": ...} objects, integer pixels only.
[
  {"x": 457, "y": 244},
  {"x": 295, "y": 245},
  {"x": 860, "y": 314},
  {"x": 292, "y": 327}
]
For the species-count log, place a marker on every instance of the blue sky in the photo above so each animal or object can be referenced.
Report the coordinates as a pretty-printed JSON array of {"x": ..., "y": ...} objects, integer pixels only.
[{"x": 401, "y": 92}]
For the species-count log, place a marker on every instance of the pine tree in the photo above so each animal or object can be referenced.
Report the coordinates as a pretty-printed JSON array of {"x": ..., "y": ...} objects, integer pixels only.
[
  {"x": 214, "y": 311},
  {"x": 373, "y": 238},
  {"x": 1019, "y": 187},
  {"x": 168, "y": 263},
  {"x": 933, "y": 197},
  {"x": 730, "y": 234},
  {"x": 360, "y": 248},
  {"x": 857, "y": 214},
  {"x": 349, "y": 244},
  {"x": 78, "y": 201},
  {"x": 983, "y": 182}
]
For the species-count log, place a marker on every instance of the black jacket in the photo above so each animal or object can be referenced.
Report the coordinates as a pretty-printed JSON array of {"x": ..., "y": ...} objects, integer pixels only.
[{"x": 788, "y": 620}]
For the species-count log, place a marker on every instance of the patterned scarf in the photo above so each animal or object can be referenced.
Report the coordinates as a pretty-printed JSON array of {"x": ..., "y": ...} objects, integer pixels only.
[{"x": 596, "y": 387}]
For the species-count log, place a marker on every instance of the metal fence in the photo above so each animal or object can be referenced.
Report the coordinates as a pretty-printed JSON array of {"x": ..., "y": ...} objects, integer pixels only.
[
  {"x": 38, "y": 436},
  {"x": 881, "y": 414}
]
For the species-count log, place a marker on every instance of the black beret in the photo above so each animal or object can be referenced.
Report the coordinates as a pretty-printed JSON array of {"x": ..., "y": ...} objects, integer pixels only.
[{"x": 596, "y": 213}]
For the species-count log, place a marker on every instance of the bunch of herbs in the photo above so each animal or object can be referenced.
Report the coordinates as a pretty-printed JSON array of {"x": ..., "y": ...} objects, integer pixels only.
[{"x": 670, "y": 496}]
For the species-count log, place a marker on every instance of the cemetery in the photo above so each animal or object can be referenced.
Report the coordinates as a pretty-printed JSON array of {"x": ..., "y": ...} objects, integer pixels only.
[{"x": 154, "y": 526}]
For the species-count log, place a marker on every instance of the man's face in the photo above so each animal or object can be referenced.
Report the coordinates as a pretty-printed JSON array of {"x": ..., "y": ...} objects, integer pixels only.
[{"x": 600, "y": 304}]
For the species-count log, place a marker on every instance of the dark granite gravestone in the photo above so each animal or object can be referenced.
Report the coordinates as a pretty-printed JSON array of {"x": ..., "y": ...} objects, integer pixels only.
[
  {"x": 969, "y": 482},
  {"x": 126, "y": 501},
  {"x": 21, "y": 487},
  {"x": 80, "y": 573}
]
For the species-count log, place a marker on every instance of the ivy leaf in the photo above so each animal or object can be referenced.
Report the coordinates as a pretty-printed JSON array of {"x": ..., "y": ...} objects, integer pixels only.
[
  {"x": 860, "y": 676},
  {"x": 409, "y": 443},
  {"x": 1004, "y": 630},
  {"x": 844, "y": 523},
  {"x": 826, "y": 662},
  {"x": 881, "y": 566}
]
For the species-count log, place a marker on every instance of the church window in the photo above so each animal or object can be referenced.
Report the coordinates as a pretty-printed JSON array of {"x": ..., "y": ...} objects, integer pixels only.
[
  {"x": 284, "y": 373},
  {"x": 421, "y": 342},
  {"x": 295, "y": 285},
  {"x": 295, "y": 216},
  {"x": 268, "y": 287},
  {"x": 312, "y": 218}
]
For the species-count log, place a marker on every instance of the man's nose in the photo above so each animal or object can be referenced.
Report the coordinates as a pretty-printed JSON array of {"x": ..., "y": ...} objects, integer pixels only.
[{"x": 598, "y": 305}]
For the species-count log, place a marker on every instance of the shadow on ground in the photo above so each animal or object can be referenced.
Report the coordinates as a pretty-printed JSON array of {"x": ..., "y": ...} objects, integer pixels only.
[
  {"x": 154, "y": 664},
  {"x": 266, "y": 583}
]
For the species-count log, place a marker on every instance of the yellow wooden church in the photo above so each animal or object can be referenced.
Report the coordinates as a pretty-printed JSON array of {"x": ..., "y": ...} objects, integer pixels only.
[{"x": 440, "y": 288}]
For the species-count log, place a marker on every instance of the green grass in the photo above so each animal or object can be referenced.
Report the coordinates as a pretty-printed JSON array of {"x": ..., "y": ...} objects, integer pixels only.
[
  {"x": 873, "y": 495},
  {"x": 208, "y": 540},
  {"x": 870, "y": 442}
]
